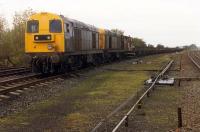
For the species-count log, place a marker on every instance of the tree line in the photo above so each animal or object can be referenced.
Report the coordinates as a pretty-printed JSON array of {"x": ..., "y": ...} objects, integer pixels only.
[
  {"x": 138, "y": 42},
  {"x": 12, "y": 39}
]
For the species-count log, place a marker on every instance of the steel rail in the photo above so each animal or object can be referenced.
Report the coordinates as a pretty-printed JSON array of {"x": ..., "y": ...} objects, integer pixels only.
[
  {"x": 14, "y": 73},
  {"x": 193, "y": 61},
  {"x": 143, "y": 95},
  {"x": 12, "y": 70},
  {"x": 5, "y": 68},
  {"x": 3, "y": 82},
  {"x": 197, "y": 56},
  {"x": 32, "y": 83}
]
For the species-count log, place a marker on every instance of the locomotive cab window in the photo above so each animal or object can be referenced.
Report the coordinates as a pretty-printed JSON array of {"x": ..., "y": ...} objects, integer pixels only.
[
  {"x": 55, "y": 26},
  {"x": 66, "y": 28},
  {"x": 33, "y": 26}
]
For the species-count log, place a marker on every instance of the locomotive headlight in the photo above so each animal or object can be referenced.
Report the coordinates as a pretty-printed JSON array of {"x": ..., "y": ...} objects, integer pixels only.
[
  {"x": 50, "y": 47},
  {"x": 48, "y": 37}
]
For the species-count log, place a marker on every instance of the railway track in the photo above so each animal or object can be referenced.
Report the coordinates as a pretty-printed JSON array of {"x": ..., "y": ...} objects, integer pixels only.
[
  {"x": 15, "y": 81},
  {"x": 13, "y": 71},
  {"x": 6, "y": 67},
  {"x": 194, "y": 57},
  {"x": 16, "y": 86},
  {"x": 190, "y": 100},
  {"x": 125, "y": 118}
]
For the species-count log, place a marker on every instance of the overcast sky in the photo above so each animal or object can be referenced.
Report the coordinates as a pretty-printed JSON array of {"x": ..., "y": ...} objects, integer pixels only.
[{"x": 169, "y": 22}]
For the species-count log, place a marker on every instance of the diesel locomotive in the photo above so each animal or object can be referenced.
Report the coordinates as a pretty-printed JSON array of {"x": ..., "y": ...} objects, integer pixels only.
[{"x": 58, "y": 44}]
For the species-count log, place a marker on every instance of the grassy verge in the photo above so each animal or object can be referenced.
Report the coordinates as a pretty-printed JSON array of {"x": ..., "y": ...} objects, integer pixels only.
[
  {"x": 159, "y": 111},
  {"x": 147, "y": 63},
  {"x": 106, "y": 91},
  {"x": 77, "y": 108}
]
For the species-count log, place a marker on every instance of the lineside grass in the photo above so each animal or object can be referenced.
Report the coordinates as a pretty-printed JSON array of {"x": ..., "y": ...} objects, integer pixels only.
[
  {"x": 105, "y": 91},
  {"x": 78, "y": 108},
  {"x": 160, "y": 110},
  {"x": 146, "y": 63}
]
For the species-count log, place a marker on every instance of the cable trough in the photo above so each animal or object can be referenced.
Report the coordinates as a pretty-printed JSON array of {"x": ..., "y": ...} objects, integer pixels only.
[{"x": 138, "y": 102}]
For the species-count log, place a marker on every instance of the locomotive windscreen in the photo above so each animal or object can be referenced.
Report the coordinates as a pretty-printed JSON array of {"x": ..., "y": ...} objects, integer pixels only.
[
  {"x": 55, "y": 26},
  {"x": 33, "y": 26}
]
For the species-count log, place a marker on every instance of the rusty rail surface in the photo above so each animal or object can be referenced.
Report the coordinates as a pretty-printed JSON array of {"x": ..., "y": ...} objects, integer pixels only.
[{"x": 125, "y": 118}]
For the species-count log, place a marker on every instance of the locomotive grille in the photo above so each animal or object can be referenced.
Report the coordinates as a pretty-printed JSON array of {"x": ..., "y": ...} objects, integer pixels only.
[{"x": 42, "y": 37}]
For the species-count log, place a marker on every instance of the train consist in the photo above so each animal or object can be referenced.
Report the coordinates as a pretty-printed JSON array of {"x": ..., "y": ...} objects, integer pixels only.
[
  {"x": 150, "y": 51},
  {"x": 57, "y": 43}
]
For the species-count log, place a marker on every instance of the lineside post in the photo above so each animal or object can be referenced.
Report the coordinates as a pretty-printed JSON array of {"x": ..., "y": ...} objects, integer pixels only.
[
  {"x": 181, "y": 62},
  {"x": 126, "y": 121},
  {"x": 179, "y": 118},
  {"x": 148, "y": 94},
  {"x": 140, "y": 105},
  {"x": 179, "y": 82}
]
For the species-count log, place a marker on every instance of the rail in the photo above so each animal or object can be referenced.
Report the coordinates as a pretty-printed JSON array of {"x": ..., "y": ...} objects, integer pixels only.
[
  {"x": 193, "y": 61},
  {"x": 3, "y": 82},
  {"x": 27, "y": 84},
  {"x": 125, "y": 118},
  {"x": 13, "y": 71}
]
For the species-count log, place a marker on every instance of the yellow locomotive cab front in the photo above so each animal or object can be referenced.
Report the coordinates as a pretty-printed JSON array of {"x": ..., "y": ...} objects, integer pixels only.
[{"x": 44, "y": 34}]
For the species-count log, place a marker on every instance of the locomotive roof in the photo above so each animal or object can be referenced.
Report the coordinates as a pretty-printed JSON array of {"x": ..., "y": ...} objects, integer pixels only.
[
  {"x": 80, "y": 24},
  {"x": 75, "y": 23}
]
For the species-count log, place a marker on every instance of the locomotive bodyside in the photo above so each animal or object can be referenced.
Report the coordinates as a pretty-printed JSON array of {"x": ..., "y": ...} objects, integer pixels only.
[
  {"x": 57, "y": 43},
  {"x": 81, "y": 38}
]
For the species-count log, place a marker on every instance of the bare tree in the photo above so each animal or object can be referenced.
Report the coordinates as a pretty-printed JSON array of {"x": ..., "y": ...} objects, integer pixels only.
[
  {"x": 160, "y": 46},
  {"x": 2, "y": 29},
  {"x": 150, "y": 46},
  {"x": 4, "y": 42},
  {"x": 117, "y": 31},
  {"x": 19, "y": 22},
  {"x": 12, "y": 41},
  {"x": 139, "y": 43}
]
